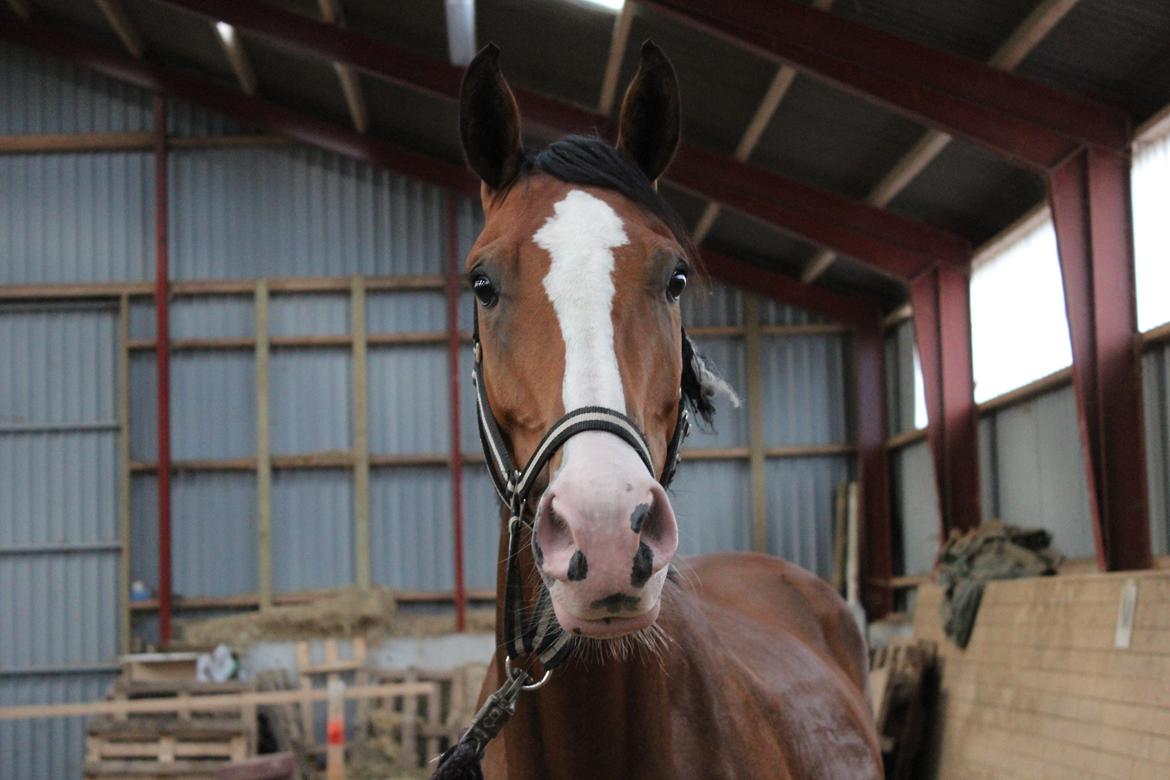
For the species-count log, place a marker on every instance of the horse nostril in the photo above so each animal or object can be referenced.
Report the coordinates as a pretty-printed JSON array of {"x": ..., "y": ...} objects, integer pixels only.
[
  {"x": 552, "y": 531},
  {"x": 654, "y": 524}
]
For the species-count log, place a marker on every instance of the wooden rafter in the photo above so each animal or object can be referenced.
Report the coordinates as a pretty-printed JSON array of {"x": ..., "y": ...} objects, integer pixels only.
[
  {"x": 776, "y": 93},
  {"x": 21, "y": 8},
  {"x": 1023, "y": 40},
  {"x": 233, "y": 49},
  {"x": 617, "y": 50},
  {"x": 119, "y": 20},
  {"x": 332, "y": 13}
]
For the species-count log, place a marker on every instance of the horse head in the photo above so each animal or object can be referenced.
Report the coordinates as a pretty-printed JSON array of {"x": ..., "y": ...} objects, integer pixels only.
[{"x": 578, "y": 275}]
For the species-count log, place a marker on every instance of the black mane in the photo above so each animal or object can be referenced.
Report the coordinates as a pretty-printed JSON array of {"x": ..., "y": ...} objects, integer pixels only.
[{"x": 589, "y": 160}]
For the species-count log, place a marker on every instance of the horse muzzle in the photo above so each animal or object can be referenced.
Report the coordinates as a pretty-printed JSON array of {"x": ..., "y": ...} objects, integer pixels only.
[{"x": 605, "y": 534}]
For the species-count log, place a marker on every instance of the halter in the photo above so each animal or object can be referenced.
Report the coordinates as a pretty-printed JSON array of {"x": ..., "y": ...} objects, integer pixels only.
[{"x": 542, "y": 638}]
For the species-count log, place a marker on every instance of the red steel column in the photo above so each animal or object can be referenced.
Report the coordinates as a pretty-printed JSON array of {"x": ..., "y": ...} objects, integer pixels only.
[
  {"x": 1089, "y": 195},
  {"x": 453, "y": 263},
  {"x": 942, "y": 328},
  {"x": 873, "y": 470},
  {"x": 163, "y": 366}
]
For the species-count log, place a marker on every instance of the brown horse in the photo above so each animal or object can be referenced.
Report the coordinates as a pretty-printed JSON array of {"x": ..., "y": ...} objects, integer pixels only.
[{"x": 724, "y": 666}]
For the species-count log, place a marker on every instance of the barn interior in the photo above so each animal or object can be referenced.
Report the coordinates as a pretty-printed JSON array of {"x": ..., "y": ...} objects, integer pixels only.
[{"x": 235, "y": 356}]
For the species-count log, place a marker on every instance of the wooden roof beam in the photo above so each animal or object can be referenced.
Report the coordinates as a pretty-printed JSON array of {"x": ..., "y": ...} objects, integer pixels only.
[
  {"x": 776, "y": 93},
  {"x": 1026, "y": 37},
  {"x": 622, "y": 24},
  {"x": 119, "y": 20},
  {"x": 233, "y": 49},
  {"x": 351, "y": 87}
]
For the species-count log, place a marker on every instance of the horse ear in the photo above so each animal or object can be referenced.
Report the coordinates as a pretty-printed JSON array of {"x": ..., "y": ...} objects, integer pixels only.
[
  {"x": 648, "y": 130},
  {"x": 489, "y": 121}
]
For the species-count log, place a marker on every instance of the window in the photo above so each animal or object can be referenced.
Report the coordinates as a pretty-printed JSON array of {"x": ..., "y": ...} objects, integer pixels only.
[
  {"x": 1150, "y": 186},
  {"x": 1019, "y": 331}
]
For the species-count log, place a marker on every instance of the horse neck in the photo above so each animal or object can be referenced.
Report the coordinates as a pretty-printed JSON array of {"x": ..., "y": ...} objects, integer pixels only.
[{"x": 594, "y": 713}]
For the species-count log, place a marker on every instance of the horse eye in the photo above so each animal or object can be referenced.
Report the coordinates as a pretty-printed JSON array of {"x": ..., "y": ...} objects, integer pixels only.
[
  {"x": 484, "y": 290},
  {"x": 678, "y": 283}
]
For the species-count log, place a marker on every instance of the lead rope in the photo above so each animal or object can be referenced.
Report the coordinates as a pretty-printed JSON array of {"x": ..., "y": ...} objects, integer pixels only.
[{"x": 541, "y": 638}]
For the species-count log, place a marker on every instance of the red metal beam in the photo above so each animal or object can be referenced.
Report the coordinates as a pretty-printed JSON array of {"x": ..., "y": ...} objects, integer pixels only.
[
  {"x": 854, "y": 310},
  {"x": 942, "y": 327},
  {"x": 1090, "y": 201},
  {"x": 454, "y": 266},
  {"x": 1029, "y": 123},
  {"x": 250, "y": 110},
  {"x": 891, "y": 243},
  {"x": 873, "y": 470},
  {"x": 162, "y": 356}
]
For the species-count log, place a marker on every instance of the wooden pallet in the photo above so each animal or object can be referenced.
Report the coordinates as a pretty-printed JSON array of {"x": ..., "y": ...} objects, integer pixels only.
[
  {"x": 162, "y": 747},
  {"x": 426, "y": 725},
  {"x": 899, "y": 677}
]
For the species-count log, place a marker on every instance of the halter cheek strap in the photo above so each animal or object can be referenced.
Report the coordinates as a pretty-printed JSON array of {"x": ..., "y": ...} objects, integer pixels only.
[{"x": 535, "y": 632}]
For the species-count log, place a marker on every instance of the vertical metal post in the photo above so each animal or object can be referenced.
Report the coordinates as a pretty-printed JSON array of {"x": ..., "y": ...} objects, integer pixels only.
[
  {"x": 942, "y": 328},
  {"x": 1089, "y": 195},
  {"x": 873, "y": 469},
  {"x": 361, "y": 436},
  {"x": 163, "y": 366},
  {"x": 124, "y": 462},
  {"x": 263, "y": 451},
  {"x": 755, "y": 399},
  {"x": 453, "y": 344}
]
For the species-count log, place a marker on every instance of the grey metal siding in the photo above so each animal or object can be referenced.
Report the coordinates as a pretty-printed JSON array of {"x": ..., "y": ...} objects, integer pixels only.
[
  {"x": 296, "y": 211},
  {"x": 712, "y": 501},
  {"x": 40, "y": 94},
  {"x": 801, "y": 509},
  {"x": 76, "y": 217},
  {"x": 805, "y": 390},
  {"x": 53, "y": 748},
  {"x": 311, "y": 393},
  {"x": 412, "y": 538},
  {"x": 59, "y": 546},
  {"x": 213, "y": 534},
  {"x": 1040, "y": 475},
  {"x": 915, "y": 507},
  {"x": 1156, "y": 376},
  {"x": 312, "y": 530},
  {"x": 409, "y": 400}
]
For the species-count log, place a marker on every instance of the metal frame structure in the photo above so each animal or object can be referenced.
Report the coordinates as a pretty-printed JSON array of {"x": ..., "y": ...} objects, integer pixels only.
[{"x": 1079, "y": 145}]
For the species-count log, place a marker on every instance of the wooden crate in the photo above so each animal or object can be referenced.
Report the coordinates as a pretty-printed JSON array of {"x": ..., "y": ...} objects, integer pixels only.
[{"x": 162, "y": 747}]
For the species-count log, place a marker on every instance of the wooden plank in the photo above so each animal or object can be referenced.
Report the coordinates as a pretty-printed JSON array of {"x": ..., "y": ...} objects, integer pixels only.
[
  {"x": 42, "y": 143},
  {"x": 233, "y": 49},
  {"x": 227, "y": 141},
  {"x": 755, "y": 399},
  {"x": 622, "y": 24},
  {"x": 219, "y": 703},
  {"x": 905, "y": 439},
  {"x": 361, "y": 442},
  {"x": 263, "y": 450},
  {"x": 119, "y": 21},
  {"x": 124, "y": 498}
]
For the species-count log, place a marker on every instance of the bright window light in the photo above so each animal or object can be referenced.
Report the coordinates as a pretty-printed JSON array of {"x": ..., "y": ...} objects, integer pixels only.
[
  {"x": 609, "y": 5},
  {"x": 226, "y": 31},
  {"x": 921, "y": 419},
  {"x": 1019, "y": 330},
  {"x": 1150, "y": 187}
]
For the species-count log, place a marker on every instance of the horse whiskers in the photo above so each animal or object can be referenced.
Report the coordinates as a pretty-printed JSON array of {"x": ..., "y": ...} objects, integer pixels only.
[{"x": 652, "y": 641}]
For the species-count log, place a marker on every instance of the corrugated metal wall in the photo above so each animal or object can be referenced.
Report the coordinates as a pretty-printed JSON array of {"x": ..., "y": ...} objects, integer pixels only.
[
  {"x": 60, "y": 546},
  {"x": 265, "y": 212},
  {"x": 1031, "y": 463}
]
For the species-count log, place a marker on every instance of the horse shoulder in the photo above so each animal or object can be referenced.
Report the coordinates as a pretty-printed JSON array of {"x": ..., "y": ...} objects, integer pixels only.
[{"x": 785, "y": 597}]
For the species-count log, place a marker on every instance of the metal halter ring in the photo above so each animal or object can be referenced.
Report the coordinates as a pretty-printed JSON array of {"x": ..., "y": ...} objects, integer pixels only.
[{"x": 534, "y": 686}]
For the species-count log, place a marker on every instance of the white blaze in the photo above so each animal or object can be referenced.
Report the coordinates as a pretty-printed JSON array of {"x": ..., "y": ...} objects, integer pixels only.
[{"x": 580, "y": 238}]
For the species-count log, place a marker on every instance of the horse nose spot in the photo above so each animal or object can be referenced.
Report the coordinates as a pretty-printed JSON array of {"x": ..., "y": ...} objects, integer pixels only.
[
  {"x": 578, "y": 567},
  {"x": 643, "y": 564},
  {"x": 629, "y": 487},
  {"x": 638, "y": 516}
]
